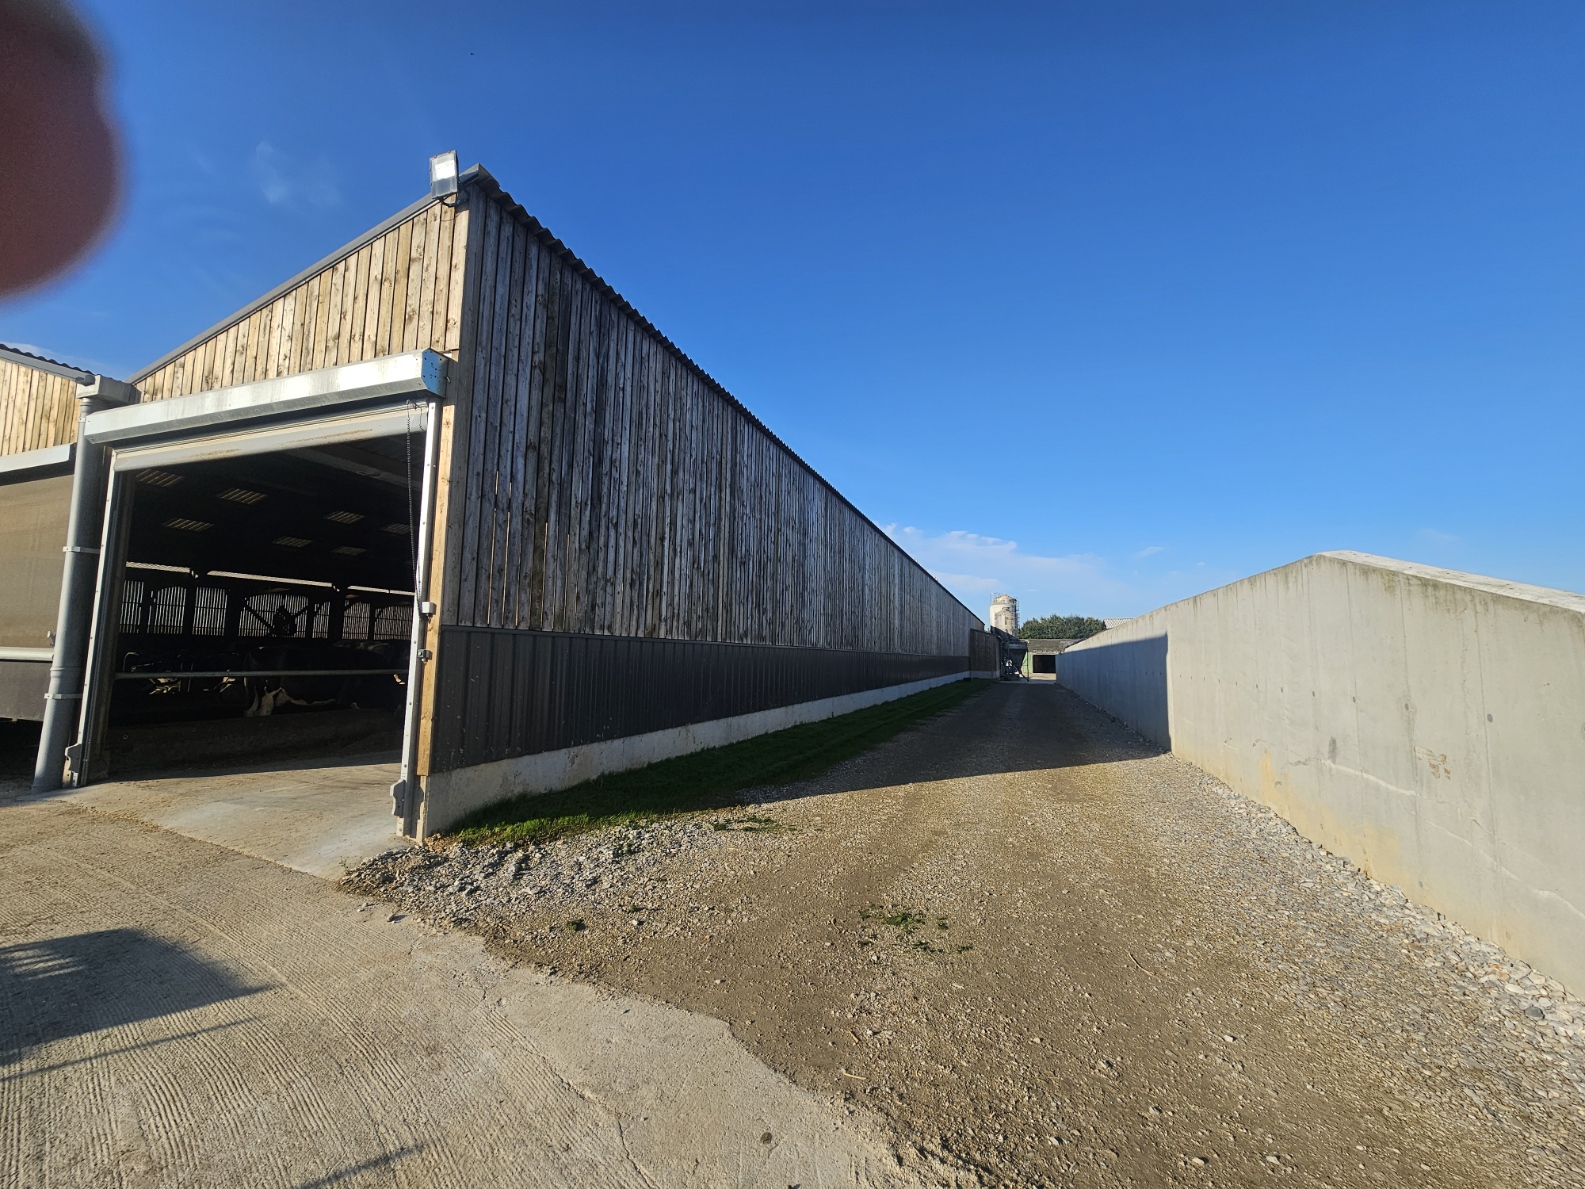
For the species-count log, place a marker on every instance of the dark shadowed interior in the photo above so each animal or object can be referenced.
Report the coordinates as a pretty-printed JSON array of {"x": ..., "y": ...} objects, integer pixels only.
[{"x": 266, "y": 606}]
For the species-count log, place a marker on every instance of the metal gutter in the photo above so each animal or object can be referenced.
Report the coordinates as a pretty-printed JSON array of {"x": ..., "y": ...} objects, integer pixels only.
[
  {"x": 44, "y": 655},
  {"x": 37, "y": 460}
]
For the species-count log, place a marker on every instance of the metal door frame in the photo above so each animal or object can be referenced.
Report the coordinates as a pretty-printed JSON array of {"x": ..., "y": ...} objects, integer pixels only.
[{"x": 413, "y": 412}]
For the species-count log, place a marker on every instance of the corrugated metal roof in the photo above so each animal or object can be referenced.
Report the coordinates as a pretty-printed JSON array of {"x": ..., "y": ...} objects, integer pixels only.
[{"x": 41, "y": 363}]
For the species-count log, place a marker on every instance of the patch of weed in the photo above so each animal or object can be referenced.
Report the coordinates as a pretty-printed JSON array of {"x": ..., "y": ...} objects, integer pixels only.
[
  {"x": 707, "y": 779},
  {"x": 575, "y": 925},
  {"x": 906, "y": 922}
]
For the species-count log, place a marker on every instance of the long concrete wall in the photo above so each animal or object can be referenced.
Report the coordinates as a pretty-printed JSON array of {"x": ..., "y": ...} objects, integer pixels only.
[{"x": 1426, "y": 724}]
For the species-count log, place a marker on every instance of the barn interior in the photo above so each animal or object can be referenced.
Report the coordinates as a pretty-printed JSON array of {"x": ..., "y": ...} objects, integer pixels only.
[{"x": 266, "y": 607}]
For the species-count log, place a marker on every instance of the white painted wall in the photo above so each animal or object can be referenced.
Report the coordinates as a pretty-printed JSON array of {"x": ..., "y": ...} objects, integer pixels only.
[{"x": 1426, "y": 724}]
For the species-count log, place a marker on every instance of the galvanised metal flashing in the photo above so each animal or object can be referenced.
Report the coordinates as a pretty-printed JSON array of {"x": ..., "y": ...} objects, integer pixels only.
[
  {"x": 34, "y": 655},
  {"x": 410, "y": 373},
  {"x": 35, "y": 460},
  {"x": 480, "y": 178},
  {"x": 39, "y": 363}
]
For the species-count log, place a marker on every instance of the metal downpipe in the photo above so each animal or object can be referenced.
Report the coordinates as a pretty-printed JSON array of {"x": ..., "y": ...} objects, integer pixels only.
[{"x": 63, "y": 702}]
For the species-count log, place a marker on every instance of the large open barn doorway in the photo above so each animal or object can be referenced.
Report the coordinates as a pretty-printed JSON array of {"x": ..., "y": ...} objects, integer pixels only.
[
  {"x": 256, "y": 605},
  {"x": 265, "y": 607}
]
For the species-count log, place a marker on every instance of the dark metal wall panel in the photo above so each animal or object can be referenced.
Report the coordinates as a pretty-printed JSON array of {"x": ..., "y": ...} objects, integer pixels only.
[
  {"x": 33, "y": 515},
  {"x": 505, "y": 693},
  {"x": 23, "y": 685}
]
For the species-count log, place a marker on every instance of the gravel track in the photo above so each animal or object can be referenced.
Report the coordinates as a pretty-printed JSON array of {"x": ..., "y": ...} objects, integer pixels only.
[{"x": 1046, "y": 953}]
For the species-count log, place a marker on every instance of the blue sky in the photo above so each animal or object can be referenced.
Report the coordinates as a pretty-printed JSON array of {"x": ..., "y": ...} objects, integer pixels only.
[{"x": 1099, "y": 304}]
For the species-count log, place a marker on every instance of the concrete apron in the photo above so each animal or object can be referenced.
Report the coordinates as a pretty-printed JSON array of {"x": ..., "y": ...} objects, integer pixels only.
[
  {"x": 173, "y": 1013},
  {"x": 320, "y": 817},
  {"x": 582, "y": 1087}
]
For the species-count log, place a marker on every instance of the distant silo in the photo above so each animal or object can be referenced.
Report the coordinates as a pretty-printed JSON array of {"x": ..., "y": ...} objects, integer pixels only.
[{"x": 1004, "y": 613}]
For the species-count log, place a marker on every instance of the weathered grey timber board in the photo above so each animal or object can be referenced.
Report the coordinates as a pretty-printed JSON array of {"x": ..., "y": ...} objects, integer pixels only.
[{"x": 608, "y": 487}]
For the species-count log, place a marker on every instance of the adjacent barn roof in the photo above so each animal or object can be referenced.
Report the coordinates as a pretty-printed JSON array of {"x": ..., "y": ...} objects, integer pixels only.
[{"x": 44, "y": 364}]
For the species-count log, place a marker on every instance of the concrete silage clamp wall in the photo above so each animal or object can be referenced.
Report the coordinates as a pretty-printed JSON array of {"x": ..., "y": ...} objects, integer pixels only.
[{"x": 1427, "y": 725}]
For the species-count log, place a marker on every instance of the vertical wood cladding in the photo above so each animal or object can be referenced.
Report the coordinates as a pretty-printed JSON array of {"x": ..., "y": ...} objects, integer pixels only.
[
  {"x": 400, "y": 290},
  {"x": 984, "y": 655},
  {"x": 603, "y": 485},
  {"x": 37, "y": 409}
]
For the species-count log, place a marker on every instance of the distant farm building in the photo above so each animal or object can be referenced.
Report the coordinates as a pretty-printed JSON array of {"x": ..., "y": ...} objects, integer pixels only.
[{"x": 1041, "y": 658}]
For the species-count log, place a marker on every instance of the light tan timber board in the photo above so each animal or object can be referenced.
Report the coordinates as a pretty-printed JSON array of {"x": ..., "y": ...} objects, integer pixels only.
[
  {"x": 37, "y": 409},
  {"x": 373, "y": 299}
]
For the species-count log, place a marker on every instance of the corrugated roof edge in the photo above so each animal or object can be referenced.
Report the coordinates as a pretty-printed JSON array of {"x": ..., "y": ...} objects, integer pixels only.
[
  {"x": 44, "y": 364},
  {"x": 482, "y": 179}
]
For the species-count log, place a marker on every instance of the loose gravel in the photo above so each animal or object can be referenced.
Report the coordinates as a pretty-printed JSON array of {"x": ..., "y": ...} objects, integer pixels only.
[{"x": 1049, "y": 954}]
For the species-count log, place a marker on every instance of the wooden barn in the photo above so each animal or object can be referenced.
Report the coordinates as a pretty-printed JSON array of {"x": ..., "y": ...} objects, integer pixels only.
[{"x": 611, "y": 559}]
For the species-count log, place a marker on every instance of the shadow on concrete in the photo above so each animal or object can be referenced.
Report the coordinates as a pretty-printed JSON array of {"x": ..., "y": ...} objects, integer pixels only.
[
  {"x": 1015, "y": 726},
  {"x": 351, "y": 1171},
  {"x": 1129, "y": 677},
  {"x": 19, "y": 745},
  {"x": 70, "y": 986},
  {"x": 254, "y": 765},
  {"x": 327, "y": 738}
]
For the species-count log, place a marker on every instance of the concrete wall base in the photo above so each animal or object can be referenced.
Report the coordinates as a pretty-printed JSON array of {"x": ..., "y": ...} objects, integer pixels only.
[{"x": 451, "y": 796}]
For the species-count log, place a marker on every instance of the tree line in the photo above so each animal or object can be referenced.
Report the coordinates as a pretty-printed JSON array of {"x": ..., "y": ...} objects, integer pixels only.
[{"x": 1061, "y": 627}]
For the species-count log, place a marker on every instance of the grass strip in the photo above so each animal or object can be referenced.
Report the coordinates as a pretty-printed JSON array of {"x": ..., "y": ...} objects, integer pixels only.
[{"x": 706, "y": 779}]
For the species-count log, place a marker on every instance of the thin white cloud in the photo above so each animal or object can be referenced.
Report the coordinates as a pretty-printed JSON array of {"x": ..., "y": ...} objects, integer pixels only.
[
  {"x": 1438, "y": 537},
  {"x": 1147, "y": 551},
  {"x": 289, "y": 183},
  {"x": 974, "y": 582},
  {"x": 974, "y": 567}
]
